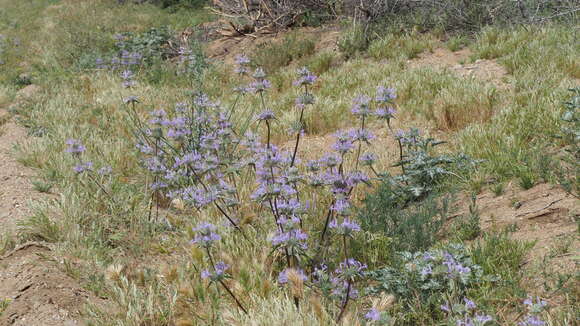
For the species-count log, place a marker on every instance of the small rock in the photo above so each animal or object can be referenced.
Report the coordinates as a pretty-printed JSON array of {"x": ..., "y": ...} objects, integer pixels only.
[{"x": 28, "y": 91}]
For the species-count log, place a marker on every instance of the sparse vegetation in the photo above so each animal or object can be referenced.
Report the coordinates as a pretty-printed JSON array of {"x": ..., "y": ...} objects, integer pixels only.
[{"x": 304, "y": 202}]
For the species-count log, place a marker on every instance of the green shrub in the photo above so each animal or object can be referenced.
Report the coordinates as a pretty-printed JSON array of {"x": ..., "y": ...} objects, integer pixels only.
[
  {"x": 412, "y": 227},
  {"x": 423, "y": 281},
  {"x": 467, "y": 227},
  {"x": 393, "y": 46},
  {"x": 497, "y": 253},
  {"x": 569, "y": 173},
  {"x": 353, "y": 42},
  {"x": 274, "y": 55}
]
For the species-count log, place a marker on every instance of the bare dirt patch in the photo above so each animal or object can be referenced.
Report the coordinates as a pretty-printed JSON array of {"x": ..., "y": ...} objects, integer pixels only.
[
  {"x": 33, "y": 290},
  {"x": 37, "y": 292},
  {"x": 226, "y": 48},
  {"x": 544, "y": 214},
  {"x": 441, "y": 58}
]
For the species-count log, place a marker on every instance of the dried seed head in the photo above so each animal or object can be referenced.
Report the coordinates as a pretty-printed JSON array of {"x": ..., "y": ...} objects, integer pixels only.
[
  {"x": 317, "y": 308},
  {"x": 114, "y": 271},
  {"x": 384, "y": 303},
  {"x": 296, "y": 280}
]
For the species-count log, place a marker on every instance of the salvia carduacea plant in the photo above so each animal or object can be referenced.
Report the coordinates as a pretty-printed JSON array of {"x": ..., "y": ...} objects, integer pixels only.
[{"x": 200, "y": 156}]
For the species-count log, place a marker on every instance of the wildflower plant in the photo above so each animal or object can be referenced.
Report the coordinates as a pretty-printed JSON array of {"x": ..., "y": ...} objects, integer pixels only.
[
  {"x": 464, "y": 313},
  {"x": 196, "y": 154},
  {"x": 428, "y": 275}
]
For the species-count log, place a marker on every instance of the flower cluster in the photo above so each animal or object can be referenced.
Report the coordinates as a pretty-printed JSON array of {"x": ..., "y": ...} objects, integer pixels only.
[
  {"x": 465, "y": 314},
  {"x": 535, "y": 308}
]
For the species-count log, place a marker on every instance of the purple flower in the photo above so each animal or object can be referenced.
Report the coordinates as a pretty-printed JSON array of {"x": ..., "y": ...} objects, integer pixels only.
[
  {"x": 346, "y": 228},
  {"x": 343, "y": 143},
  {"x": 127, "y": 74},
  {"x": 305, "y": 77},
  {"x": 283, "y": 276},
  {"x": 259, "y": 74},
  {"x": 259, "y": 86},
  {"x": 539, "y": 302},
  {"x": 532, "y": 321},
  {"x": 361, "y": 106},
  {"x": 218, "y": 272},
  {"x": 83, "y": 167},
  {"x": 341, "y": 206},
  {"x": 291, "y": 239},
  {"x": 362, "y": 135},
  {"x": 482, "y": 319},
  {"x": 106, "y": 170},
  {"x": 75, "y": 147},
  {"x": 385, "y": 113},
  {"x": 242, "y": 60},
  {"x": 469, "y": 305},
  {"x": 266, "y": 115},
  {"x": 131, "y": 99},
  {"x": 373, "y": 315},
  {"x": 427, "y": 270},
  {"x": 385, "y": 95},
  {"x": 331, "y": 160},
  {"x": 368, "y": 159},
  {"x": 350, "y": 268},
  {"x": 304, "y": 99},
  {"x": 445, "y": 307},
  {"x": 205, "y": 235}
]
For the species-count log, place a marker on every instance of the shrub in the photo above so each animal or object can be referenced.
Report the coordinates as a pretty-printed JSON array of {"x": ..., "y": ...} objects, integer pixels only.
[
  {"x": 570, "y": 136},
  {"x": 411, "y": 227},
  {"x": 424, "y": 281},
  {"x": 272, "y": 56},
  {"x": 353, "y": 41}
]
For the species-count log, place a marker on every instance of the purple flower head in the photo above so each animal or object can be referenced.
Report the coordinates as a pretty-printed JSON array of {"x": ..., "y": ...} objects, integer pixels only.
[
  {"x": 445, "y": 307},
  {"x": 350, "y": 268},
  {"x": 425, "y": 271},
  {"x": 373, "y": 315},
  {"x": 218, "y": 272},
  {"x": 259, "y": 86},
  {"x": 385, "y": 95},
  {"x": 532, "y": 320},
  {"x": 361, "y": 106},
  {"x": 181, "y": 107},
  {"x": 368, "y": 159},
  {"x": 343, "y": 143},
  {"x": 74, "y": 146},
  {"x": 538, "y": 302},
  {"x": 346, "y": 228},
  {"x": 266, "y": 115},
  {"x": 331, "y": 160},
  {"x": 127, "y": 74},
  {"x": 159, "y": 185},
  {"x": 469, "y": 304},
  {"x": 305, "y": 77},
  {"x": 304, "y": 99},
  {"x": 131, "y": 99},
  {"x": 483, "y": 319},
  {"x": 259, "y": 74},
  {"x": 242, "y": 60},
  {"x": 203, "y": 101},
  {"x": 385, "y": 112},
  {"x": 362, "y": 135},
  {"x": 283, "y": 276},
  {"x": 158, "y": 117},
  {"x": 341, "y": 206},
  {"x": 83, "y": 167},
  {"x": 340, "y": 288},
  {"x": 291, "y": 239},
  {"x": 106, "y": 170},
  {"x": 205, "y": 235}
]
